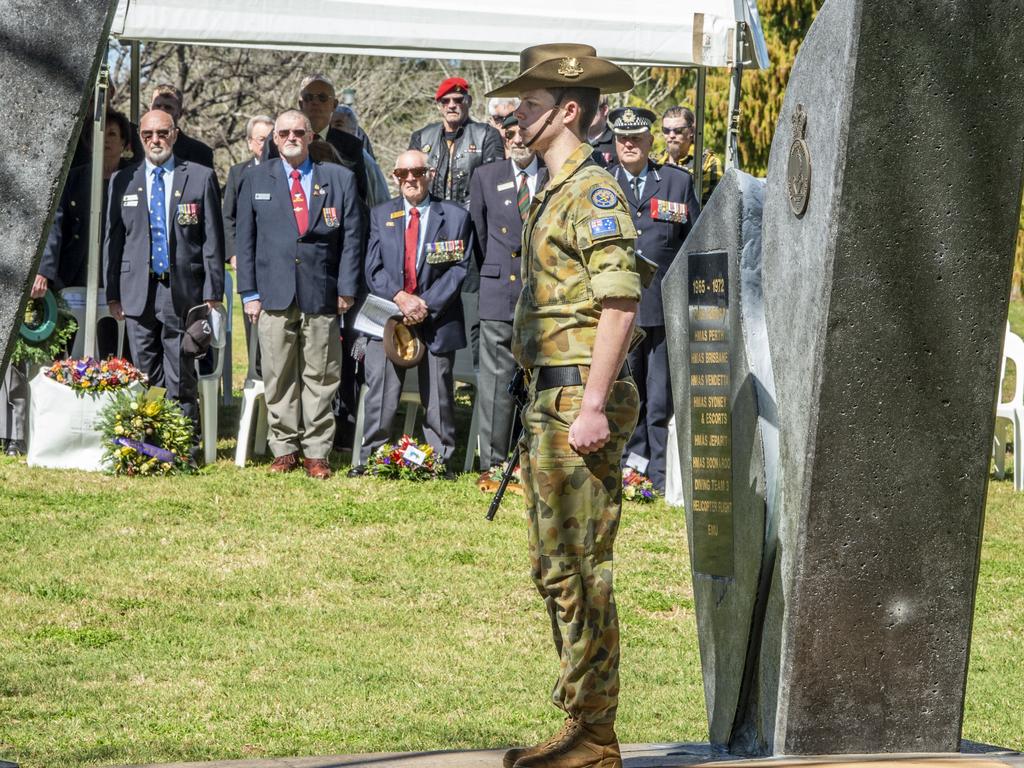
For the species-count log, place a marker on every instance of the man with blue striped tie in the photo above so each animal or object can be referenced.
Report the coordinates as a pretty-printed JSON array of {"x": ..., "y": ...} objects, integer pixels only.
[{"x": 164, "y": 252}]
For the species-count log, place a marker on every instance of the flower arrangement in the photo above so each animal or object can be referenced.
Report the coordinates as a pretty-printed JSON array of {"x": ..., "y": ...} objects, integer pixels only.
[
  {"x": 90, "y": 375},
  {"x": 145, "y": 434},
  {"x": 489, "y": 481},
  {"x": 46, "y": 329},
  {"x": 405, "y": 460},
  {"x": 637, "y": 487}
]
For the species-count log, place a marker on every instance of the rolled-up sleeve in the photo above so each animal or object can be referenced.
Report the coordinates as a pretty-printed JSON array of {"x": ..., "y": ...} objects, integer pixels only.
[{"x": 606, "y": 238}]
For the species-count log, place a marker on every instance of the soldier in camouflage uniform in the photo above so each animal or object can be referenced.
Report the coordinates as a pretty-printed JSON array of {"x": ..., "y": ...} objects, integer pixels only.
[{"x": 573, "y": 325}]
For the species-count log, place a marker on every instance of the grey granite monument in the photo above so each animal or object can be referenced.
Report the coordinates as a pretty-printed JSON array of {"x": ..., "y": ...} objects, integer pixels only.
[
  {"x": 835, "y": 378},
  {"x": 50, "y": 53}
]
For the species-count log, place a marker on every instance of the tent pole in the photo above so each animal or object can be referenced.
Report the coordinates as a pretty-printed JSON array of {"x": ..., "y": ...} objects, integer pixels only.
[
  {"x": 698, "y": 134},
  {"x": 92, "y": 280},
  {"x": 732, "y": 156},
  {"x": 136, "y": 66}
]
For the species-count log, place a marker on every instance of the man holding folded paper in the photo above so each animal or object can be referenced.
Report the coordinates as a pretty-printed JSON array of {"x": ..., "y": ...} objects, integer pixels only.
[{"x": 417, "y": 257}]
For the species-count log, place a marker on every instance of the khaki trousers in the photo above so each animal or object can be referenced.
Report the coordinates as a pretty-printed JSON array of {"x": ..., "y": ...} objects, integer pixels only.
[{"x": 301, "y": 361}]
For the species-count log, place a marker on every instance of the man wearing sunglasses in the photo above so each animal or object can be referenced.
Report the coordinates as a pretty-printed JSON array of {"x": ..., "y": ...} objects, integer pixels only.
[
  {"x": 663, "y": 207},
  {"x": 678, "y": 124},
  {"x": 164, "y": 252},
  {"x": 299, "y": 238},
  {"x": 498, "y": 202},
  {"x": 458, "y": 145},
  {"x": 317, "y": 101},
  {"x": 168, "y": 98},
  {"x": 417, "y": 257}
]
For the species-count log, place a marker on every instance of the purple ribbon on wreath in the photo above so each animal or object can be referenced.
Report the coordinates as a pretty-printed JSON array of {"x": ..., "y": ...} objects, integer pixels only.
[{"x": 160, "y": 454}]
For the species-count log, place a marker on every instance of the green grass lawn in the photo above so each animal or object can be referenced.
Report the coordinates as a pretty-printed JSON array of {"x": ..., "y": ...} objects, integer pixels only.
[{"x": 235, "y": 614}]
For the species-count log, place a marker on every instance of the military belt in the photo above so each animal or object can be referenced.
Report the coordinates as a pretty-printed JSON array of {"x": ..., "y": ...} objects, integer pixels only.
[{"x": 551, "y": 376}]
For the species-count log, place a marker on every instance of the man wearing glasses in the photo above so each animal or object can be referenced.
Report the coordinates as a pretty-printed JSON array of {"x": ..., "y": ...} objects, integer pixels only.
[
  {"x": 164, "y": 252},
  {"x": 499, "y": 202},
  {"x": 256, "y": 132},
  {"x": 168, "y": 98},
  {"x": 317, "y": 101},
  {"x": 678, "y": 125},
  {"x": 500, "y": 110},
  {"x": 299, "y": 245},
  {"x": 458, "y": 145},
  {"x": 417, "y": 256}
]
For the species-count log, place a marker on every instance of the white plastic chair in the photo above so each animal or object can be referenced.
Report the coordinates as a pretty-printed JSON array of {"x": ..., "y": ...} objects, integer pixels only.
[
  {"x": 1011, "y": 410},
  {"x": 209, "y": 384},
  {"x": 229, "y": 297},
  {"x": 75, "y": 298},
  {"x": 254, "y": 407}
]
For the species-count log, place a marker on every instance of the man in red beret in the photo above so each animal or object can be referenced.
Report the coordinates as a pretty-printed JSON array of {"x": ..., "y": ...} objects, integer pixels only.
[{"x": 457, "y": 145}]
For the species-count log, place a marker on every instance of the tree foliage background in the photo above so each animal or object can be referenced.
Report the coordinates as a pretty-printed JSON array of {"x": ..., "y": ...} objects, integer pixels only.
[{"x": 224, "y": 87}]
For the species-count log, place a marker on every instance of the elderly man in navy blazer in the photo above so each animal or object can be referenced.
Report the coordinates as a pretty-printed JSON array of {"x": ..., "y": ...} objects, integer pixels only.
[
  {"x": 164, "y": 251},
  {"x": 298, "y": 242},
  {"x": 500, "y": 195},
  {"x": 664, "y": 208},
  {"x": 417, "y": 257}
]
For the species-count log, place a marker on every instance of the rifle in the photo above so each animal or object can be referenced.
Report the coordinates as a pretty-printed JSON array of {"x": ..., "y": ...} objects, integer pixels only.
[{"x": 516, "y": 388}]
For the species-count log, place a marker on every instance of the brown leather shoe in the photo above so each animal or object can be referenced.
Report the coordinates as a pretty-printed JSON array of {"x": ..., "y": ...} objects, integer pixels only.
[
  {"x": 317, "y": 468},
  {"x": 286, "y": 463},
  {"x": 580, "y": 745}
]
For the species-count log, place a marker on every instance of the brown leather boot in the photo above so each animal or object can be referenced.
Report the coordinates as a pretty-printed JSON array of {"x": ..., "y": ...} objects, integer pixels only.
[
  {"x": 518, "y": 753},
  {"x": 581, "y": 745},
  {"x": 285, "y": 463},
  {"x": 318, "y": 469}
]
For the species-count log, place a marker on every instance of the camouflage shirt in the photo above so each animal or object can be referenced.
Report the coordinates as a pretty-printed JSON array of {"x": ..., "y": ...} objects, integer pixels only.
[{"x": 577, "y": 251}]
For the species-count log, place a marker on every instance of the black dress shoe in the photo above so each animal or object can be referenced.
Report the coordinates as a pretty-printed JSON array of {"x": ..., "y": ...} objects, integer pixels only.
[
  {"x": 15, "y": 448},
  {"x": 357, "y": 471}
]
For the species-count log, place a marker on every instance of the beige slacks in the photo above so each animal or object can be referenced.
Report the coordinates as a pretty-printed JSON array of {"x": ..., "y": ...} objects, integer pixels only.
[{"x": 301, "y": 371}]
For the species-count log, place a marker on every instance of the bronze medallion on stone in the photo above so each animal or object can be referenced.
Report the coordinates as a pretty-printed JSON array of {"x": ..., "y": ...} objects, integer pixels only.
[{"x": 798, "y": 180}]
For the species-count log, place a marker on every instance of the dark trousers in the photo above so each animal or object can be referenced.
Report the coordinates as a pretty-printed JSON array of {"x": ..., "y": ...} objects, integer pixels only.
[
  {"x": 384, "y": 383},
  {"x": 155, "y": 338},
  {"x": 496, "y": 405},
  {"x": 14, "y": 403},
  {"x": 649, "y": 366},
  {"x": 346, "y": 404}
]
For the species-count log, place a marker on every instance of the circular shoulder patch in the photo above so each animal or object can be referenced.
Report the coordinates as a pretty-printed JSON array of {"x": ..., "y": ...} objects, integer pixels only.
[{"x": 603, "y": 197}]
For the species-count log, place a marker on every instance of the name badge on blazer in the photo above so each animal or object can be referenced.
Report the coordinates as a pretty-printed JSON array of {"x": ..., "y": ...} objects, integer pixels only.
[
  {"x": 506, "y": 185},
  {"x": 261, "y": 196},
  {"x": 188, "y": 214},
  {"x": 130, "y": 201},
  {"x": 445, "y": 251},
  {"x": 663, "y": 210},
  {"x": 331, "y": 217}
]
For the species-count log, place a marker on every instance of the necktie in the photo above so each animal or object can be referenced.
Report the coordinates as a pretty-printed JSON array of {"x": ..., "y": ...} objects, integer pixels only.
[
  {"x": 636, "y": 188},
  {"x": 159, "y": 254},
  {"x": 299, "y": 204},
  {"x": 412, "y": 241},
  {"x": 523, "y": 195}
]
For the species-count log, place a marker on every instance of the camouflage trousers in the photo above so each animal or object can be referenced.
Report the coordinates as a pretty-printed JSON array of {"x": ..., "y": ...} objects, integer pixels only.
[{"x": 573, "y": 508}]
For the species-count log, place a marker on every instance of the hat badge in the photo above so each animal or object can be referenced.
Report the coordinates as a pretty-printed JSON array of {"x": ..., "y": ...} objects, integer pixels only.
[
  {"x": 570, "y": 68},
  {"x": 629, "y": 116}
]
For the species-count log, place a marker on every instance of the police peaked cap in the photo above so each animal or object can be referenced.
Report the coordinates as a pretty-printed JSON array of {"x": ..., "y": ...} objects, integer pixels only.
[
  {"x": 565, "y": 65},
  {"x": 627, "y": 121}
]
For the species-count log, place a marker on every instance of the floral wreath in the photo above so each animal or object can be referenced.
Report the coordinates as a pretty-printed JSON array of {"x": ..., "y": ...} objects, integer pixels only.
[
  {"x": 45, "y": 331},
  {"x": 637, "y": 487},
  {"x": 90, "y": 375},
  {"x": 144, "y": 433},
  {"x": 405, "y": 460}
]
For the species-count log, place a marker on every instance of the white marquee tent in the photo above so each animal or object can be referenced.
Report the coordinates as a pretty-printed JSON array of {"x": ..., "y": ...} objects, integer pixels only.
[{"x": 686, "y": 33}]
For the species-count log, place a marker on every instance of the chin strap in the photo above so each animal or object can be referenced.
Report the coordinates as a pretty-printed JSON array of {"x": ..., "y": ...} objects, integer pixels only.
[{"x": 549, "y": 121}]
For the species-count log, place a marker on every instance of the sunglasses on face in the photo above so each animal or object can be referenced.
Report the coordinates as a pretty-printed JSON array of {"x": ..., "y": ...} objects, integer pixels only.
[
  {"x": 446, "y": 100},
  {"x": 403, "y": 173},
  {"x": 511, "y": 135},
  {"x": 678, "y": 131},
  {"x": 160, "y": 133},
  {"x": 323, "y": 98},
  {"x": 298, "y": 133}
]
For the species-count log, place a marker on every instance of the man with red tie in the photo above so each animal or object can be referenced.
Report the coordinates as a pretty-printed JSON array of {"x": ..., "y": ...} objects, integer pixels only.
[
  {"x": 298, "y": 240},
  {"x": 417, "y": 257}
]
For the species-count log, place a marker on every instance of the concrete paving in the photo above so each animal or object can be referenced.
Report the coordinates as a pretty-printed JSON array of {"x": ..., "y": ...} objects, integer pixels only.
[{"x": 633, "y": 756}]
